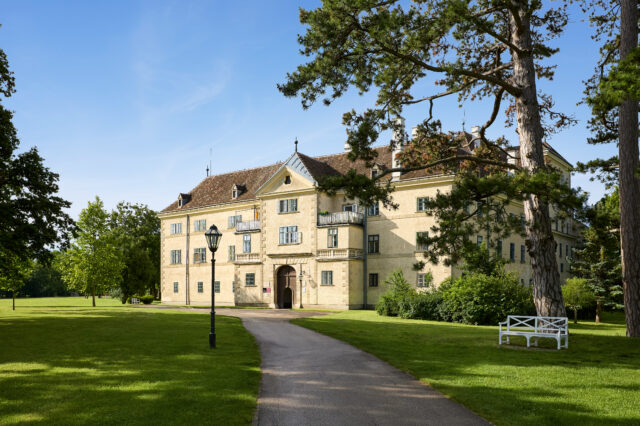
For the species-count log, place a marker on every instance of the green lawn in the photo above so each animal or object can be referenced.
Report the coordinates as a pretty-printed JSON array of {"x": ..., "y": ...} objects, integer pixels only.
[
  {"x": 64, "y": 362},
  {"x": 595, "y": 381}
]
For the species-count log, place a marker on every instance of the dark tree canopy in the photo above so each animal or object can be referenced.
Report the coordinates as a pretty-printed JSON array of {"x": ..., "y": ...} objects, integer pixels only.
[{"x": 32, "y": 216}]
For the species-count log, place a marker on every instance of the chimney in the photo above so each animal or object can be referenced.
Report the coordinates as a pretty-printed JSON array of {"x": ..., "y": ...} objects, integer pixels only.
[
  {"x": 398, "y": 147},
  {"x": 414, "y": 133},
  {"x": 347, "y": 147}
]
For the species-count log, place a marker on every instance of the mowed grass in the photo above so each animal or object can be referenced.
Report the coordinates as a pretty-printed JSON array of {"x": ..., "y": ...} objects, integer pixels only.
[
  {"x": 595, "y": 381},
  {"x": 64, "y": 362}
]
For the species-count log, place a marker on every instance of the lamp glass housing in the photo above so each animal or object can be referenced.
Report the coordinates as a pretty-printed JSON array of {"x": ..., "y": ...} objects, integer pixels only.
[{"x": 213, "y": 237}]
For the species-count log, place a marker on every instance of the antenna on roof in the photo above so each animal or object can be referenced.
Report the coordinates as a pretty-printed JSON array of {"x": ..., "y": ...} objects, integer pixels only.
[
  {"x": 464, "y": 118},
  {"x": 296, "y": 144},
  {"x": 207, "y": 171}
]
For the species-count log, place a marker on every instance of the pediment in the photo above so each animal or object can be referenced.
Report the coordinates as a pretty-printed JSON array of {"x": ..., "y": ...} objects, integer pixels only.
[{"x": 291, "y": 176}]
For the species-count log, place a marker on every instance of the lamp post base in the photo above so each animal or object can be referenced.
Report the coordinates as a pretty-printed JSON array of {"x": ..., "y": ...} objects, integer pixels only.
[{"x": 212, "y": 340}]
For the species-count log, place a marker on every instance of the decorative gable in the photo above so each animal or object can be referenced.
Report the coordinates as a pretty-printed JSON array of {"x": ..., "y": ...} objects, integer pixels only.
[
  {"x": 237, "y": 190},
  {"x": 183, "y": 199}
]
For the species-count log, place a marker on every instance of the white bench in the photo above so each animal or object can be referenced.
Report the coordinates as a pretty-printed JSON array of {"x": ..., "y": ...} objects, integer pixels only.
[
  {"x": 536, "y": 327},
  {"x": 135, "y": 301}
]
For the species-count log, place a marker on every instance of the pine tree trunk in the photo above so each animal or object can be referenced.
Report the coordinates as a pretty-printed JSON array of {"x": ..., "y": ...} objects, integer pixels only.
[
  {"x": 541, "y": 246},
  {"x": 629, "y": 182}
]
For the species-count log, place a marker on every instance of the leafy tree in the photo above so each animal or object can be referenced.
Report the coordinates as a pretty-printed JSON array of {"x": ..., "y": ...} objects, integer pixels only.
[
  {"x": 14, "y": 282},
  {"x": 577, "y": 295},
  {"x": 45, "y": 281},
  {"x": 598, "y": 259},
  {"x": 137, "y": 234},
  {"x": 481, "y": 260},
  {"x": 477, "y": 50},
  {"x": 613, "y": 94},
  {"x": 93, "y": 264},
  {"x": 32, "y": 216}
]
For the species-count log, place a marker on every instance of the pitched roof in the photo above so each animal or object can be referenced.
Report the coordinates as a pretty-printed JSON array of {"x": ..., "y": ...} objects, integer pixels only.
[{"x": 217, "y": 189}]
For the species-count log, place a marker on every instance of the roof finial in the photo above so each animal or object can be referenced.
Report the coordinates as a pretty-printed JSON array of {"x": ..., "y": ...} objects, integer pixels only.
[
  {"x": 207, "y": 170},
  {"x": 296, "y": 144}
]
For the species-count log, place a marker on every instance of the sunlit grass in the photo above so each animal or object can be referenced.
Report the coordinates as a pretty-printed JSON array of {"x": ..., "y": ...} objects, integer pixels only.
[
  {"x": 595, "y": 381},
  {"x": 64, "y": 364}
]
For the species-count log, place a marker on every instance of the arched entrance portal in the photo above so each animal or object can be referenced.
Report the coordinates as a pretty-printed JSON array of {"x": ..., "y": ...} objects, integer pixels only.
[{"x": 286, "y": 287}]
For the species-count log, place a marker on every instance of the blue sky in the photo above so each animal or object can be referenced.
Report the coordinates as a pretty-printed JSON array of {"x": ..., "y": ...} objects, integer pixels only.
[{"x": 126, "y": 99}]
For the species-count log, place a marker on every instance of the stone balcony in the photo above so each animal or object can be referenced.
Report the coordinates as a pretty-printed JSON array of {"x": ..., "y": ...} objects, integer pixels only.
[
  {"x": 247, "y": 258},
  {"x": 248, "y": 226},
  {"x": 339, "y": 254},
  {"x": 340, "y": 218}
]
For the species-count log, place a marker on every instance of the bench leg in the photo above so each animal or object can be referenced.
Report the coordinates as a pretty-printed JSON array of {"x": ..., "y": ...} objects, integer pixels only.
[
  {"x": 535, "y": 342},
  {"x": 559, "y": 339},
  {"x": 528, "y": 343},
  {"x": 508, "y": 340}
]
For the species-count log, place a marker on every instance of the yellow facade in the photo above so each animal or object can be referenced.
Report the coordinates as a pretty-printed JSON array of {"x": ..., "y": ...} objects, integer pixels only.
[{"x": 327, "y": 275}]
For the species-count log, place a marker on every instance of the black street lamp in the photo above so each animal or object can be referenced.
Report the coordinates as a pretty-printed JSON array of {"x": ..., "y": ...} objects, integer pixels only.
[{"x": 213, "y": 237}]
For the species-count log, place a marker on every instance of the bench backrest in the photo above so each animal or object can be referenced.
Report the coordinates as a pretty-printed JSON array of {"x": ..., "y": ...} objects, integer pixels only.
[{"x": 537, "y": 324}]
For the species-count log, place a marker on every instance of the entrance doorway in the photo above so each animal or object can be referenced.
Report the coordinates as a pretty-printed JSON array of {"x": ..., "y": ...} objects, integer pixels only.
[{"x": 286, "y": 287}]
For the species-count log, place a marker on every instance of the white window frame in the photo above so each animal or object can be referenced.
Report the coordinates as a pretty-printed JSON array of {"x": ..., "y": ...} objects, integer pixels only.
[
  {"x": 216, "y": 286},
  {"x": 232, "y": 253},
  {"x": 374, "y": 210},
  {"x": 288, "y": 235},
  {"x": 290, "y": 205},
  {"x": 199, "y": 255},
  {"x": 232, "y": 220},
  {"x": 421, "y": 204},
  {"x": 200, "y": 225},
  {"x": 176, "y": 257},
  {"x": 200, "y": 287},
  {"x": 421, "y": 281},
  {"x": 176, "y": 286},
  {"x": 332, "y": 238},
  {"x": 377, "y": 279},
  {"x": 246, "y": 243},
  {"x": 375, "y": 239},
  {"x": 176, "y": 228}
]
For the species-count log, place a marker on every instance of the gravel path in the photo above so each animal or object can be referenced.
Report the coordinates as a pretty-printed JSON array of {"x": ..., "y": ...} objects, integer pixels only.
[{"x": 312, "y": 379}]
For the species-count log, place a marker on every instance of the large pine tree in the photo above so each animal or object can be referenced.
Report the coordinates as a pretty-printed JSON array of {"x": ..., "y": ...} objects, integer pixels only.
[{"x": 478, "y": 50}]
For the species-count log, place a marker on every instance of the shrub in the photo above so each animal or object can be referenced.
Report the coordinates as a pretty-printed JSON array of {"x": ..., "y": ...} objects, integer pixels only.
[
  {"x": 577, "y": 295},
  {"x": 147, "y": 299},
  {"x": 482, "y": 299},
  {"x": 397, "y": 289},
  {"x": 424, "y": 306}
]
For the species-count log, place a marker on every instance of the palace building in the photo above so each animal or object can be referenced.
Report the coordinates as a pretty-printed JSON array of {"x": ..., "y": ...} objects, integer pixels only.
[{"x": 285, "y": 244}]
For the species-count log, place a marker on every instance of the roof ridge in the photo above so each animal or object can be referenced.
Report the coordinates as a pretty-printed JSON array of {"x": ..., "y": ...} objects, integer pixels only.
[
  {"x": 243, "y": 170},
  {"x": 341, "y": 153}
]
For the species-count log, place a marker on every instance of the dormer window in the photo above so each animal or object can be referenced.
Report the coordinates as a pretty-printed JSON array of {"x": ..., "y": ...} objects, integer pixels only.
[
  {"x": 237, "y": 191},
  {"x": 183, "y": 199},
  {"x": 287, "y": 180}
]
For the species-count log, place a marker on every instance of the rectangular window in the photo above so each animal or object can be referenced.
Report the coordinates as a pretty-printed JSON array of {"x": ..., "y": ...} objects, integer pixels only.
[
  {"x": 373, "y": 245},
  {"x": 175, "y": 287},
  {"x": 176, "y": 257},
  {"x": 350, "y": 208},
  {"x": 421, "y": 245},
  {"x": 556, "y": 222},
  {"x": 288, "y": 206},
  {"x": 421, "y": 203},
  {"x": 522, "y": 221},
  {"x": 200, "y": 287},
  {"x": 522, "y": 255},
  {"x": 216, "y": 286},
  {"x": 421, "y": 281},
  {"x": 232, "y": 253},
  {"x": 246, "y": 243},
  {"x": 566, "y": 250},
  {"x": 512, "y": 252},
  {"x": 562, "y": 267},
  {"x": 232, "y": 220},
  {"x": 332, "y": 237},
  {"x": 562, "y": 226},
  {"x": 199, "y": 255},
  {"x": 200, "y": 225},
  {"x": 499, "y": 248},
  {"x": 374, "y": 210},
  {"x": 176, "y": 228},
  {"x": 373, "y": 280},
  {"x": 479, "y": 240},
  {"x": 250, "y": 280},
  {"x": 560, "y": 249},
  {"x": 289, "y": 235},
  {"x": 326, "y": 278},
  {"x": 479, "y": 207}
]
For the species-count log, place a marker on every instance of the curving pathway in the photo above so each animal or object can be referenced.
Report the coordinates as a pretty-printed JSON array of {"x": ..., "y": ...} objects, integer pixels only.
[{"x": 312, "y": 379}]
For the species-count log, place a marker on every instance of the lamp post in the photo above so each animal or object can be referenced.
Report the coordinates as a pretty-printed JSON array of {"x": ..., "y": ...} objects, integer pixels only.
[{"x": 213, "y": 237}]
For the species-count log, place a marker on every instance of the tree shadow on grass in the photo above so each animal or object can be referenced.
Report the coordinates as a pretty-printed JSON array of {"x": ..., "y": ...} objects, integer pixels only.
[
  {"x": 594, "y": 381},
  {"x": 126, "y": 367}
]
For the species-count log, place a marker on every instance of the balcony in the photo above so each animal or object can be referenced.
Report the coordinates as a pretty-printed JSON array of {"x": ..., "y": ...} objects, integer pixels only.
[
  {"x": 339, "y": 254},
  {"x": 248, "y": 226},
  {"x": 340, "y": 218},
  {"x": 245, "y": 258}
]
